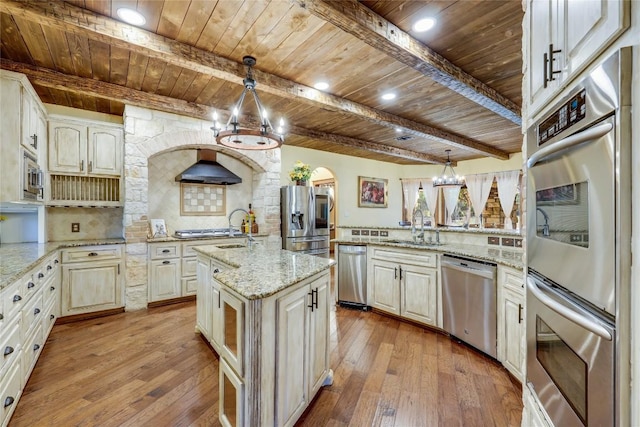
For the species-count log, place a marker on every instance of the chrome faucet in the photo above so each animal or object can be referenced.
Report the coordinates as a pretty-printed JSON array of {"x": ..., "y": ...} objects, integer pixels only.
[
  {"x": 545, "y": 227},
  {"x": 231, "y": 234},
  {"x": 420, "y": 236},
  {"x": 437, "y": 237}
]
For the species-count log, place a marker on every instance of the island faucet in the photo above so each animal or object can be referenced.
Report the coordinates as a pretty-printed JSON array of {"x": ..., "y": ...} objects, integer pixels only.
[
  {"x": 231, "y": 234},
  {"x": 413, "y": 225},
  {"x": 545, "y": 227}
]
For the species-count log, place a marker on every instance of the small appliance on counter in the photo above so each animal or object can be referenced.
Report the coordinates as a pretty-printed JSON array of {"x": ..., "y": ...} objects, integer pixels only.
[{"x": 305, "y": 219}]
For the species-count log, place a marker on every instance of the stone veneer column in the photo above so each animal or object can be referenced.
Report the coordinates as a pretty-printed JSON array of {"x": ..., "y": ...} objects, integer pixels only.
[{"x": 148, "y": 132}]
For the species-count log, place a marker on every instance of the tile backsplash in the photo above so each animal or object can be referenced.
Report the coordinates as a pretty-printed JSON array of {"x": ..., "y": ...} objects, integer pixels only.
[{"x": 95, "y": 223}]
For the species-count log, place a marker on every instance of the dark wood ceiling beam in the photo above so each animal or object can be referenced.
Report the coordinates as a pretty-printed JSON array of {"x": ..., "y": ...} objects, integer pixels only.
[
  {"x": 79, "y": 85},
  {"x": 75, "y": 20},
  {"x": 358, "y": 20}
]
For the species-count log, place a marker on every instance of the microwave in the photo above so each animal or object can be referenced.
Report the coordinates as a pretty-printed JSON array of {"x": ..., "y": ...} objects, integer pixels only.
[{"x": 32, "y": 178}]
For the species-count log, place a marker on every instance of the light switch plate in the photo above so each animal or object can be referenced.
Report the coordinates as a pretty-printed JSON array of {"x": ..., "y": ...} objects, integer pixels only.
[{"x": 75, "y": 227}]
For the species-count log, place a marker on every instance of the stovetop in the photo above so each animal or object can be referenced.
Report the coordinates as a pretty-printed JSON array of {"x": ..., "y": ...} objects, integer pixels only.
[{"x": 205, "y": 232}]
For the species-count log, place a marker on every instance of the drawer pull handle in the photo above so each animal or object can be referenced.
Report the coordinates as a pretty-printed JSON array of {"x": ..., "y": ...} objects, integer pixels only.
[
  {"x": 8, "y": 401},
  {"x": 17, "y": 298},
  {"x": 36, "y": 310},
  {"x": 30, "y": 285},
  {"x": 49, "y": 267},
  {"x": 165, "y": 251},
  {"x": 92, "y": 254},
  {"x": 40, "y": 275},
  {"x": 36, "y": 347},
  {"x": 217, "y": 270},
  {"x": 166, "y": 262},
  {"x": 56, "y": 261},
  {"x": 8, "y": 350},
  {"x": 53, "y": 288},
  {"x": 51, "y": 317},
  {"x": 1, "y": 316}
]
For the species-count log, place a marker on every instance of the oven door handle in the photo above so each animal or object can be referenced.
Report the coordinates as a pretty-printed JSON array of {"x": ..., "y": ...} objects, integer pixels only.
[
  {"x": 566, "y": 312},
  {"x": 571, "y": 141}
]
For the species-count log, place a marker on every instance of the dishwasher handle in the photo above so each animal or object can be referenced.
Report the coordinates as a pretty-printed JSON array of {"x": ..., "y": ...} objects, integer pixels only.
[{"x": 469, "y": 267}]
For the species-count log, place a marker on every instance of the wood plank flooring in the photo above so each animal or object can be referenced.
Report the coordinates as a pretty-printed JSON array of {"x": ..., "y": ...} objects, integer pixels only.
[{"x": 149, "y": 368}]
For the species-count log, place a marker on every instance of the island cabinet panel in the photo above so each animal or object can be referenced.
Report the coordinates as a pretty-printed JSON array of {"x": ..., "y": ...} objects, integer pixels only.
[
  {"x": 203, "y": 298},
  {"x": 233, "y": 332}
]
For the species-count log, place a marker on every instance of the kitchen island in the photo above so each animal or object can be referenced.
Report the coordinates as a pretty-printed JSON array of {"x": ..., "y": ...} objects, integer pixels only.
[{"x": 266, "y": 312}]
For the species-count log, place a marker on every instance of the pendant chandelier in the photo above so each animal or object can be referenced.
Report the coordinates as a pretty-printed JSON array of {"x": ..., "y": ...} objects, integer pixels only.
[
  {"x": 263, "y": 136},
  {"x": 448, "y": 179}
]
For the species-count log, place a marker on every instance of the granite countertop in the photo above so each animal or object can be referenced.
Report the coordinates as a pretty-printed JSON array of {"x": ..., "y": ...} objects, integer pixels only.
[
  {"x": 16, "y": 259},
  {"x": 263, "y": 269},
  {"x": 194, "y": 239},
  {"x": 498, "y": 254}
]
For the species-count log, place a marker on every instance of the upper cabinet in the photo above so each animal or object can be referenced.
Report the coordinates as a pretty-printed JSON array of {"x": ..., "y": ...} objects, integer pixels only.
[
  {"x": 22, "y": 140},
  {"x": 84, "y": 149},
  {"x": 565, "y": 36}
]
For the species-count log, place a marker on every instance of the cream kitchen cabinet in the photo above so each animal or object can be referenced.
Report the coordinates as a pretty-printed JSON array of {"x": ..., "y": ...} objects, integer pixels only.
[
  {"x": 24, "y": 305},
  {"x": 403, "y": 282},
  {"x": 565, "y": 36},
  {"x": 23, "y": 137},
  {"x": 208, "y": 301},
  {"x": 92, "y": 279},
  {"x": 84, "y": 148},
  {"x": 533, "y": 415},
  {"x": 511, "y": 323}
]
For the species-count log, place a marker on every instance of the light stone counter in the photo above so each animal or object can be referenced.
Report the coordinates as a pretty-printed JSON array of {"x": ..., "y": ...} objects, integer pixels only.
[
  {"x": 263, "y": 269},
  {"x": 498, "y": 254},
  {"x": 18, "y": 258}
]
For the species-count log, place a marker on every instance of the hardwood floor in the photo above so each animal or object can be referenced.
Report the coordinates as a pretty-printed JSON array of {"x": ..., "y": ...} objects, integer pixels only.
[{"x": 149, "y": 368}]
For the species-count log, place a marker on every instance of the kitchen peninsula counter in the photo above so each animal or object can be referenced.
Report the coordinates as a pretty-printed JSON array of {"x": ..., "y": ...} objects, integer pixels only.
[{"x": 509, "y": 257}]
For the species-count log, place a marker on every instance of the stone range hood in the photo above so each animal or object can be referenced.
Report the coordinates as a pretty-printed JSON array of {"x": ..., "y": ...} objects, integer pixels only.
[{"x": 207, "y": 170}]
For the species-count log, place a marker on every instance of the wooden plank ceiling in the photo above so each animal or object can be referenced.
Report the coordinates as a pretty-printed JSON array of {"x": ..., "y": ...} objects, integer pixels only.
[{"x": 458, "y": 85}]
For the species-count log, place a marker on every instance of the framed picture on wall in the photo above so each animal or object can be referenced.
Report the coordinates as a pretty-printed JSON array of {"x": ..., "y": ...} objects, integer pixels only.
[
  {"x": 372, "y": 192},
  {"x": 158, "y": 228}
]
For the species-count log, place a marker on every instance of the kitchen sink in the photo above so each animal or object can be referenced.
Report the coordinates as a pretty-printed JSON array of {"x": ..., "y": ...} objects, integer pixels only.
[{"x": 411, "y": 242}]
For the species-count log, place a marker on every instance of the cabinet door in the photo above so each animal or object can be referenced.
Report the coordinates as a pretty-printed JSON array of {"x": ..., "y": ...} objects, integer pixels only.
[
  {"x": 319, "y": 335},
  {"x": 590, "y": 26},
  {"x": 215, "y": 304},
  {"x": 291, "y": 384},
  {"x": 232, "y": 343},
  {"x": 89, "y": 288},
  {"x": 513, "y": 332},
  {"x": 29, "y": 123},
  {"x": 203, "y": 298},
  {"x": 164, "y": 279},
  {"x": 385, "y": 288},
  {"x": 542, "y": 15},
  {"x": 419, "y": 288},
  {"x": 67, "y": 148},
  {"x": 105, "y": 151}
]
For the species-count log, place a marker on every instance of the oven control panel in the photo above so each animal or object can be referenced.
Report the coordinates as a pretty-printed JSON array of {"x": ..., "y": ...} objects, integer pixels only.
[{"x": 570, "y": 113}]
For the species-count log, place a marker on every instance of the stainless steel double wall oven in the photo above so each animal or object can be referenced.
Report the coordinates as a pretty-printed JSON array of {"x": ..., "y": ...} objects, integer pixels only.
[{"x": 578, "y": 246}]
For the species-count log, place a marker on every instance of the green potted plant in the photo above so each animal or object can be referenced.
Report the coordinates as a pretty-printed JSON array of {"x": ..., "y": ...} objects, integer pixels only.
[{"x": 301, "y": 173}]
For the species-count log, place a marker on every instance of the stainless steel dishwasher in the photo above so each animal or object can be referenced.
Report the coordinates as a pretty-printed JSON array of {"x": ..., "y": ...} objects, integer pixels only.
[
  {"x": 469, "y": 301},
  {"x": 352, "y": 276}
]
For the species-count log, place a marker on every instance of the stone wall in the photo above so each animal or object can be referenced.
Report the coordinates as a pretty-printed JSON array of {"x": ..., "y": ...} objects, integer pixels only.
[
  {"x": 493, "y": 217},
  {"x": 149, "y": 132}
]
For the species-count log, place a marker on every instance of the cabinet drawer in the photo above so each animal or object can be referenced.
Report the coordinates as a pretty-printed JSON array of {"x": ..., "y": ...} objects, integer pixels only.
[
  {"x": 91, "y": 254},
  {"x": 31, "y": 350},
  {"x": 169, "y": 250},
  {"x": 13, "y": 298},
  {"x": 513, "y": 279},
  {"x": 32, "y": 313},
  {"x": 189, "y": 285},
  {"x": 50, "y": 290},
  {"x": 407, "y": 256},
  {"x": 51, "y": 313},
  {"x": 10, "y": 391},
  {"x": 189, "y": 266},
  {"x": 10, "y": 343}
]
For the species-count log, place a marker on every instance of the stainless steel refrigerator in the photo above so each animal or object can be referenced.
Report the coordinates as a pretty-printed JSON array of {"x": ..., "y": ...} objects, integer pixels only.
[{"x": 305, "y": 219}]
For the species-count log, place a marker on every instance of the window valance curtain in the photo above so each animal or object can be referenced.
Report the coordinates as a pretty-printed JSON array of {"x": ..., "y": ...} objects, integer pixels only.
[
  {"x": 507, "y": 189},
  {"x": 479, "y": 187}
]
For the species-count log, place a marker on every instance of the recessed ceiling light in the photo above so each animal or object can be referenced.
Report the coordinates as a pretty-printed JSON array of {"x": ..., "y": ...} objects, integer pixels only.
[
  {"x": 131, "y": 16},
  {"x": 424, "y": 25},
  {"x": 321, "y": 85},
  {"x": 388, "y": 96},
  {"x": 398, "y": 130}
]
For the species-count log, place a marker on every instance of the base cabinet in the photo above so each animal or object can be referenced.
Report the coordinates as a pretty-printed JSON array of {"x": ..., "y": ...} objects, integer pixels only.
[
  {"x": 533, "y": 415},
  {"x": 511, "y": 320},
  {"x": 404, "y": 283},
  {"x": 91, "y": 279}
]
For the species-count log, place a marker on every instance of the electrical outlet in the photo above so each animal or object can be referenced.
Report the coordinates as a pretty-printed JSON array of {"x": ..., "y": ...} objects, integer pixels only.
[{"x": 75, "y": 227}]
